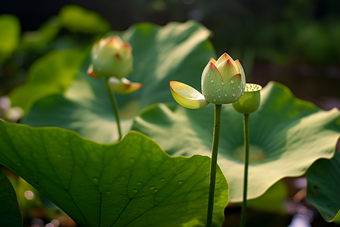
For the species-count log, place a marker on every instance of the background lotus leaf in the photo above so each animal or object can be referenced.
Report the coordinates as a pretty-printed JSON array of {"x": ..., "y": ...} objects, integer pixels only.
[
  {"x": 78, "y": 19},
  {"x": 271, "y": 201},
  {"x": 323, "y": 187},
  {"x": 286, "y": 136},
  {"x": 53, "y": 73},
  {"x": 177, "y": 51},
  {"x": 130, "y": 183},
  {"x": 9, "y": 208},
  {"x": 9, "y": 35}
]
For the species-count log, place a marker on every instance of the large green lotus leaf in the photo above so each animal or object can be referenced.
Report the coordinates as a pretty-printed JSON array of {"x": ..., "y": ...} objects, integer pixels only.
[
  {"x": 323, "y": 187},
  {"x": 286, "y": 136},
  {"x": 178, "y": 51},
  {"x": 9, "y": 35},
  {"x": 129, "y": 183},
  {"x": 53, "y": 73},
  {"x": 9, "y": 209}
]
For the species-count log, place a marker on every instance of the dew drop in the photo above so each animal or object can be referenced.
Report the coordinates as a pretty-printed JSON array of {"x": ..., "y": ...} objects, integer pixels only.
[
  {"x": 180, "y": 182},
  {"x": 234, "y": 94},
  {"x": 207, "y": 94},
  {"x": 222, "y": 83},
  {"x": 155, "y": 190},
  {"x": 220, "y": 99},
  {"x": 135, "y": 190},
  {"x": 95, "y": 180},
  {"x": 152, "y": 187},
  {"x": 211, "y": 81},
  {"x": 219, "y": 96},
  {"x": 231, "y": 81},
  {"x": 213, "y": 95},
  {"x": 225, "y": 95},
  {"x": 214, "y": 100},
  {"x": 214, "y": 85}
]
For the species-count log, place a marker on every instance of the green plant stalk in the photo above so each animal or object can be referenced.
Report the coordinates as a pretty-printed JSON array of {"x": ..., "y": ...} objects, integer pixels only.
[
  {"x": 114, "y": 106},
  {"x": 246, "y": 164},
  {"x": 213, "y": 165}
]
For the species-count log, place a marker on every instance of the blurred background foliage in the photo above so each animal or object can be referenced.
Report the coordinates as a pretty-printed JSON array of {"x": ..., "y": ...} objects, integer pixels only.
[{"x": 295, "y": 42}]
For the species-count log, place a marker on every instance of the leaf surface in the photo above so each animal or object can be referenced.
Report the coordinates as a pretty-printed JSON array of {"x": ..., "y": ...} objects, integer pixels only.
[
  {"x": 9, "y": 209},
  {"x": 129, "y": 183},
  {"x": 323, "y": 187},
  {"x": 51, "y": 74},
  {"x": 286, "y": 136}
]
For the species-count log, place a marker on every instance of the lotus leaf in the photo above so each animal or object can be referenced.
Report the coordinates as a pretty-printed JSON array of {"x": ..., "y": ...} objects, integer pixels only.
[
  {"x": 323, "y": 187},
  {"x": 129, "y": 183},
  {"x": 9, "y": 209},
  {"x": 177, "y": 51},
  {"x": 286, "y": 136}
]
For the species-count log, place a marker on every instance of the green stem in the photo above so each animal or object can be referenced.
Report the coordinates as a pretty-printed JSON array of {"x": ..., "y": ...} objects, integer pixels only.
[
  {"x": 213, "y": 165},
  {"x": 246, "y": 164},
  {"x": 115, "y": 106}
]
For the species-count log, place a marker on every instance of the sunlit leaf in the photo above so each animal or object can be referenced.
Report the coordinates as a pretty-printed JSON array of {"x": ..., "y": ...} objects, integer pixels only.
[
  {"x": 323, "y": 187},
  {"x": 9, "y": 35},
  {"x": 130, "y": 183},
  {"x": 9, "y": 209},
  {"x": 51, "y": 74},
  {"x": 286, "y": 136},
  {"x": 178, "y": 51}
]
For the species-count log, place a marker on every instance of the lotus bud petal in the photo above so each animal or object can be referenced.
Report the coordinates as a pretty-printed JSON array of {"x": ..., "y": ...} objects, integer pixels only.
[
  {"x": 187, "y": 96},
  {"x": 111, "y": 57},
  {"x": 123, "y": 86},
  {"x": 250, "y": 101}
]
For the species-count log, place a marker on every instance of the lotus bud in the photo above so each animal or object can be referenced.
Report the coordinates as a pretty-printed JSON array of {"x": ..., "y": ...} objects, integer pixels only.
[
  {"x": 111, "y": 57},
  {"x": 223, "y": 81},
  {"x": 250, "y": 101}
]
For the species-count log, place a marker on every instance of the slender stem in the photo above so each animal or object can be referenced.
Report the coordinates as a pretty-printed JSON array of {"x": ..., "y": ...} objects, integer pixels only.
[
  {"x": 115, "y": 106},
  {"x": 246, "y": 164},
  {"x": 213, "y": 165}
]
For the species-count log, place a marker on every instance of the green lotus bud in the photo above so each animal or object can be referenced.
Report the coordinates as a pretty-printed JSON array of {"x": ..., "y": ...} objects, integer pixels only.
[
  {"x": 223, "y": 81},
  {"x": 111, "y": 57},
  {"x": 250, "y": 101}
]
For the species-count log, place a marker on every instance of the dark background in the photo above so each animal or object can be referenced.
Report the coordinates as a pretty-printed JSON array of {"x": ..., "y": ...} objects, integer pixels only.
[{"x": 295, "y": 42}]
